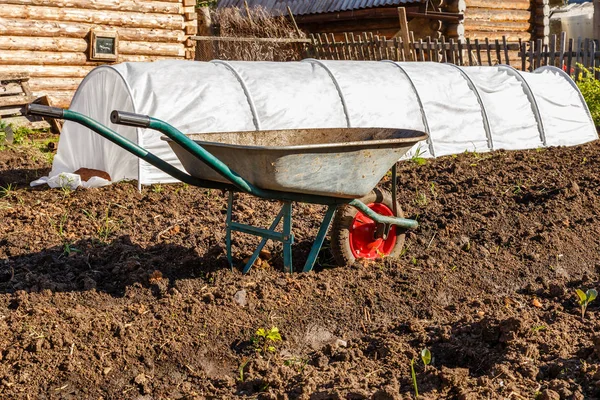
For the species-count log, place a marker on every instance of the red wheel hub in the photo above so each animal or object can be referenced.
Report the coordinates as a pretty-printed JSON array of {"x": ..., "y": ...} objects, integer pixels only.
[{"x": 363, "y": 242}]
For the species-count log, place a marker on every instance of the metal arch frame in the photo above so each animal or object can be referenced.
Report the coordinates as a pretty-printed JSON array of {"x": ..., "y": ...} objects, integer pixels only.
[
  {"x": 568, "y": 79},
  {"x": 534, "y": 106},
  {"x": 239, "y": 78},
  {"x": 423, "y": 113},
  {"x": 337, "y": 86},
  {"x": 486, "y": 121}
]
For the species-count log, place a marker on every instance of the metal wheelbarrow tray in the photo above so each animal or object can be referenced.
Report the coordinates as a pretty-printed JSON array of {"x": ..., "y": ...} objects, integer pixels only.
[
  {"x": 345, "y": 163},
  {"x": 331, "y": 167}
]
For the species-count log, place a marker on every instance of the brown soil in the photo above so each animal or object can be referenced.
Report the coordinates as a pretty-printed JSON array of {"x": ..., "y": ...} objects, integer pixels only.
[{"x": 115, "y": 294}]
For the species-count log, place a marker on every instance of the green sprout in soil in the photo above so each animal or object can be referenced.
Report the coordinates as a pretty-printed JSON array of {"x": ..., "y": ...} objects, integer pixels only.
[
  {"x": 414, "y": 378},
  {"x": 264, "y": 340},
  {"x": 241, "y": 369},
  {"x": 417, "y": 158},
  {"x": 426, "y": 358},
  {"x": 585, "y": 299},
  {"x": 7, "y": 191}
]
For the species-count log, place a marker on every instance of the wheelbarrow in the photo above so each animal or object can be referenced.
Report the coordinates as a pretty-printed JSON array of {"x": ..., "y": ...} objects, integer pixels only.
[{"x": 338, "y": 168}]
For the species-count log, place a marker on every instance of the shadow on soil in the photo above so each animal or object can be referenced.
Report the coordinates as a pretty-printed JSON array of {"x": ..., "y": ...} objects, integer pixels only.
[{"x": 110, "y": 268}]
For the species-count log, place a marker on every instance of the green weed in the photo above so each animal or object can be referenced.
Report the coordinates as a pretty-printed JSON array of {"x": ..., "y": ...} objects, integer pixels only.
[
  {"x": 417, "y": 158},
  {"x": 585, "y": 298},
  {"x": 590, "y": 89},
  {"x": 264, "y": 340}
]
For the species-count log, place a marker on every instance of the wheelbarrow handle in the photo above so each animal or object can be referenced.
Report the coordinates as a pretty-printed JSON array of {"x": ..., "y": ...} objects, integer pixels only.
[
  {"x": 129, "y": 119},
  {"x": 44, "y": 111}
]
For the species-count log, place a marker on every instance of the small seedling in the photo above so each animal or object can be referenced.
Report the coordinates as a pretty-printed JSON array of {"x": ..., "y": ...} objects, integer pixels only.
[
  {"x": 585, "y": 299},
  {"x": 426, "y": 357},
  {"x": 414, "y": 378},
  {"x": 417, "y": 158},
  {"x": 264, "y": 340},
  {"x": 242, "y": 366},
  {"x": 538, "y": 328}
]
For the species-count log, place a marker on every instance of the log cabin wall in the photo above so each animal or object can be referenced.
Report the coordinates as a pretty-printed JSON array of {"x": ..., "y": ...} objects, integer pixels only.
[
  {"x": 493, "y": 19},
  {"x": 50, "y": 39}
]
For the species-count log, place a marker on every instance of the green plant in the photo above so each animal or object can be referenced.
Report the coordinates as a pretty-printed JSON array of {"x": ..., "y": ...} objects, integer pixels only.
[
  {"x": 585, "y": 298},
  {"x": 417, "y": 158},
  {"x": 426, "y": 357},
  {"x": 241, "y": 369},
  {"x": 264, "y": 340},
  {"x": 7, "y": 191},
  {"x": 590, "y": 89},
  {"x": 414, "y": 378},
  {"x": 157, "y": 188}
]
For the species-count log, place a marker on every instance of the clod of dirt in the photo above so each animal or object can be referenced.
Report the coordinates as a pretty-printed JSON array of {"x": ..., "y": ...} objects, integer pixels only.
[
  {"x": 240, "y": 298},
  {"x": 548, "y": 394}
]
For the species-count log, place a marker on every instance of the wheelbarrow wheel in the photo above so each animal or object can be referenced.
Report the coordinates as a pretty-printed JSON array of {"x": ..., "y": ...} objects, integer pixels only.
[{"x": 353, "y": 234}]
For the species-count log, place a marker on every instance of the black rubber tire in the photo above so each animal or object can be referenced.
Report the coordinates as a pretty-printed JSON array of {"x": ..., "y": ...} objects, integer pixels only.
[{"x": 340, "y": 229}]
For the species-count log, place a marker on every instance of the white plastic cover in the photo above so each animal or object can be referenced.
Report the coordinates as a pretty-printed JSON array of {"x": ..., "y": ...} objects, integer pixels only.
[{"x": 462, "y": 108}]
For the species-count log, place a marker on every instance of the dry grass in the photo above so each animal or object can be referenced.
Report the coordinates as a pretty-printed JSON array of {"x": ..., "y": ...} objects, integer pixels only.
[{"x": 233, "y": 22}]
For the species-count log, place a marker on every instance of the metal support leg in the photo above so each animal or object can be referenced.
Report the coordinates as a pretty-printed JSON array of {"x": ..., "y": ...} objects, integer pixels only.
[
  {"x": 256, "y": 253},
  {"x": 395, "y": 189},
  {"x": 314, "y": 251},
  {"x": 228, "y": 229},
  {"x": 288, "y": 238}
]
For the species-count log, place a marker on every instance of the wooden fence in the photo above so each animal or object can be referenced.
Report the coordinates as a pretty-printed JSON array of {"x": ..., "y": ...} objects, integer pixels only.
[
  {"x": 372, "y": 47},
  {"x": 567, "y": 54}
]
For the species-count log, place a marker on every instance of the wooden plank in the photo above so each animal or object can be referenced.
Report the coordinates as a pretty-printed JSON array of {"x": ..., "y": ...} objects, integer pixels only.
[
  {"x": 505, "y": 47},
  {"x": 14, "y": 76},
  {"x": 523, "y": 54},
  {"x": 578, "y": 59},
  {"x": 421, "y": 51},
  {"x": 10, "y": 88},
  {"x": 253, "y": 40},
  {"x": 452, "y": 53},
  {"x": 404, "y": 35},
  {"x": 443, "y": 49},
  {"x": 498, "y": 51},
  {"x": 470, "y": 54},
  {"x": 593, "y": 57},
  {"x": 478, "y": 49},
  {"x": 561, "y": 56},
  {"x": 11, "y": 110},
  {"x": 460, "y": 53},
  {"x": 570, "y": 56},
  {"x": 531, "y": 55},
  {"x": 488, "y": 51},
  {"x": 15, "y": 100},
  {"x": 586, "y": 53},
  {"x": 552, "y": 51}
]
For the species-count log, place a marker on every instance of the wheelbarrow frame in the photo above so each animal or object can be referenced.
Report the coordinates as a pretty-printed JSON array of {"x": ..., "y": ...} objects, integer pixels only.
[{"x": 238, "y": 184}]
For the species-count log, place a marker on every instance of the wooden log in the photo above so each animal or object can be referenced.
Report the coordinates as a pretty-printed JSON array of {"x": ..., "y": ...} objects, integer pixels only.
[
  {"x": 542, "y": 31},
  {"x": 488, "y": 14},
  {"x": 42, "y": 84},
  {"x": 42, "y": 44},
  {"x": 455, "y": 30},
  {"x": 543, "y": 10},
  {"x": 497, "y": 26},
  {"x": 112, "y": 5},
  {"x": 21, "y": 27},
  {"x": 69, "y": 71},
  {"x": 81, "y": 45},
  {"x": 510, "y": 36},
  {"x": 19, "y": 75},
  {"x": 151, "y": 49},
  {"x": 456, "y": 6},
  {"x": 116, "y": 18},
  {"x": 25, "y": 57},
  {"x": 503, "y": 4}
]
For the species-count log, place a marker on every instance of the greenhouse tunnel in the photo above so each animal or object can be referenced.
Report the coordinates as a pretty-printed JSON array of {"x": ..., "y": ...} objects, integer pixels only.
[{"x": 462, "y": 108}]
